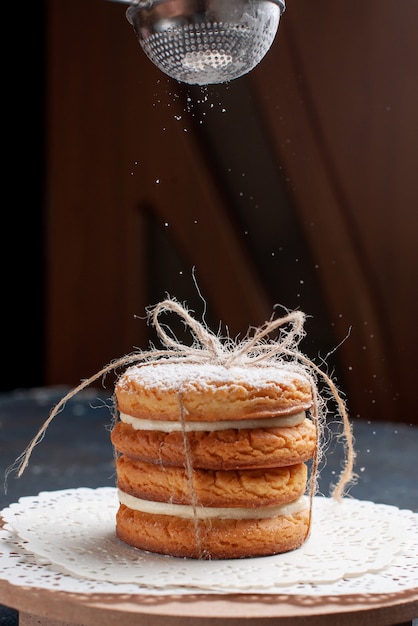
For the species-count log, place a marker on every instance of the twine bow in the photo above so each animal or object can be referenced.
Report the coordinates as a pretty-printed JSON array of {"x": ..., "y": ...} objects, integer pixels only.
[{"x": 207, "y": 347}]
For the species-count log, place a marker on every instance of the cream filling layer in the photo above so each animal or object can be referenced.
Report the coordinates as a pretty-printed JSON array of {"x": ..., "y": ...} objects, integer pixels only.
[
  {"x": 207, "y": 512},
  {"x": 168, "y": 426}
]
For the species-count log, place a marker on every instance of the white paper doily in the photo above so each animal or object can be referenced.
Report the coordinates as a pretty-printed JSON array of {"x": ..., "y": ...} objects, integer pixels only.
[{"x": 66, "y": 540}]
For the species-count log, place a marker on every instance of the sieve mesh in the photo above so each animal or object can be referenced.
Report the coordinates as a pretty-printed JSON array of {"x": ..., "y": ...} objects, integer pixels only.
[{"x": 197, "y": 47}]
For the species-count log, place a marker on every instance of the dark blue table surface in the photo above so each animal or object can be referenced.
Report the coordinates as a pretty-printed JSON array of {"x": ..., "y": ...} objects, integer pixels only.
[{"x": 76, "y": 452}]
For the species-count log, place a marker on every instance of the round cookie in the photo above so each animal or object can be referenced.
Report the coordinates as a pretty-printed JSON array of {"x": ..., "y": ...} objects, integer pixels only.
[
  {"x": 204, "y": 392},
  {"x": 225, "y": 449},
  {"x": 212, "y": 488},
  {"x": 212, "y": 538}
]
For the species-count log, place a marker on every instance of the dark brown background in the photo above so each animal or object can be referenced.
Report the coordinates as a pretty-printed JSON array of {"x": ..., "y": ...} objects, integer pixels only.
[{"x": 296, "y": 185}]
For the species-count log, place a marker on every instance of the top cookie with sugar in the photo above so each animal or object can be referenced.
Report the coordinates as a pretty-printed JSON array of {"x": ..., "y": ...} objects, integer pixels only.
[{"x": 167, "y": 390}]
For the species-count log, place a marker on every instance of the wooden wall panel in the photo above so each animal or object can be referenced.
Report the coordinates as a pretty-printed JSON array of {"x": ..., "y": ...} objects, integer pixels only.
[
  {"x": 340, "y": 96},
  {"x": 119, "y": 140}
]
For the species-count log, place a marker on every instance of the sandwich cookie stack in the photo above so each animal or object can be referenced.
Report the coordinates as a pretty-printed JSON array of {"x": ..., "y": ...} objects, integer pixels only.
[{"x": 211, "y": 459}]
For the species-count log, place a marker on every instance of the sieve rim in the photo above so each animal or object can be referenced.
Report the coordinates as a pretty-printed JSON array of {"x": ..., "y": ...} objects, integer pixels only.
[{"x": 149, "y": 3}]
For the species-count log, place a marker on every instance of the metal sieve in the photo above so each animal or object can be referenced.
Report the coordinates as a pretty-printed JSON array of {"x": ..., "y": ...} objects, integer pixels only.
[{"x": 201, "y": 42}]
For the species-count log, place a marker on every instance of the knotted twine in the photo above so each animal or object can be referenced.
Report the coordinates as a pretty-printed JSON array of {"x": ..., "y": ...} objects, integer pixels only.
[{"x": 252, "y": 351}]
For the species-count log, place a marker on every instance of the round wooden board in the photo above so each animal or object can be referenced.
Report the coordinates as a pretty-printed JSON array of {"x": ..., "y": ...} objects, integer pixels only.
[{"x": 48, "y": 607}]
